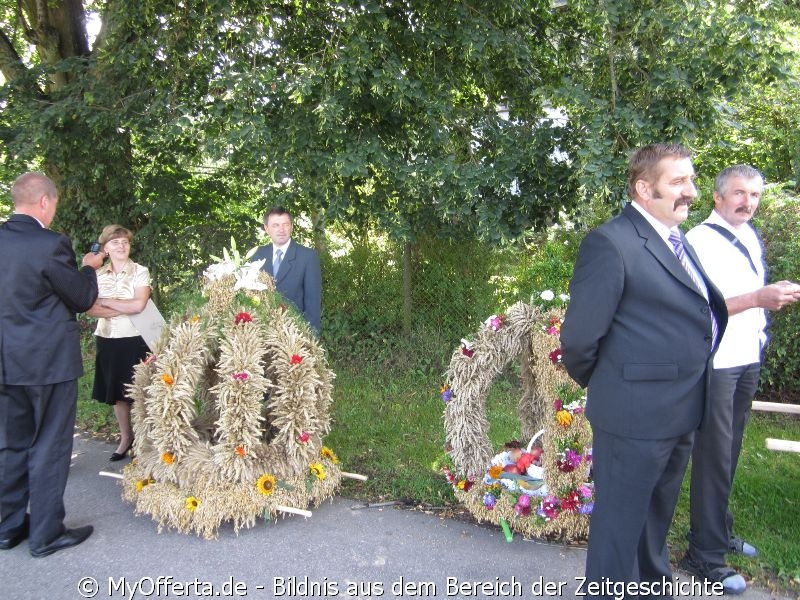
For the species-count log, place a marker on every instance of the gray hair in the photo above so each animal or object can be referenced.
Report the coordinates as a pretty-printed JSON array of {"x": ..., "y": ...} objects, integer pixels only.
[{"x": 744, "y": 171}]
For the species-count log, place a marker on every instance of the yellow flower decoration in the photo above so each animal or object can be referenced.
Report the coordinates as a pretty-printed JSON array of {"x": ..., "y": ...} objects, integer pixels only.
[
  {"x": 266, "y": 484},
  {"x": 167, "y": 378},
  {"x": 495, "y": 471},
  {"x": 192, "y": 503},
  {"x": 142, "y": 483},
  {"x": 318, "y": 470},
  {"x": 194, "y": 319},
  {"x": 168, "y": 458},
  {"x": 564, "y": 418},
  {"x": 326, "y": 452}
]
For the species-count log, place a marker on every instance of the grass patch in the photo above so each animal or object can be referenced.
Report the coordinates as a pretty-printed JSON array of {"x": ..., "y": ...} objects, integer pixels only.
[
  {"x": 94, "y": 418},
  {"x": 390, "y": 427},
  {"x": 765, "y": 503}
]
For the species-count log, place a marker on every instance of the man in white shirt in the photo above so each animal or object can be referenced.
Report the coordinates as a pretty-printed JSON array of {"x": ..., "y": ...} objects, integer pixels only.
[{"x": 731, "y": 254}]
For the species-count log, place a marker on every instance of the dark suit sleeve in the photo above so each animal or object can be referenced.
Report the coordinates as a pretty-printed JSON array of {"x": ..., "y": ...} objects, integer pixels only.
[
  {"x": 595, "y": 292},
  {"x": 76, "y": 288},
  {"x": 263, "y": 253},
  {"x": 312, "y": 284}
]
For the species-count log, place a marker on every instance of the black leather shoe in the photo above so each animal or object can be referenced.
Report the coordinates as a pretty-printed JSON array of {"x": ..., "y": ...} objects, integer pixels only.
[
  {"x": 14, "y": 538},
  {"x": 120, "y": 455},
  {"x": 70, "y": 537}
]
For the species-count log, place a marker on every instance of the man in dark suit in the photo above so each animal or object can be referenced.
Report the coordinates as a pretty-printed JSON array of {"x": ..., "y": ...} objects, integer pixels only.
[
  {"x": 41, "y": 289},
  {"x": 639, "y": 332},
  {"x": 295, "y": 268}
]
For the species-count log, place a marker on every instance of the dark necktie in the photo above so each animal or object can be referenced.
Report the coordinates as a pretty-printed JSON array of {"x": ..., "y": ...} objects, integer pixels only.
[{"x": 276, "y": 264}]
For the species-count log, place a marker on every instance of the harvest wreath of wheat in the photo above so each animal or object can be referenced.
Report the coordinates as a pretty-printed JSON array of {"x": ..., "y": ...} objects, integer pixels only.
[
  {"x": 538, "y": 492},
  {"x": 230, "y": 411}
]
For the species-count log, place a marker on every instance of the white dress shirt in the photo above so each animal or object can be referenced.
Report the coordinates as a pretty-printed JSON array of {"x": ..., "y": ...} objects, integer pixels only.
[{"x": 731, "y": 272}]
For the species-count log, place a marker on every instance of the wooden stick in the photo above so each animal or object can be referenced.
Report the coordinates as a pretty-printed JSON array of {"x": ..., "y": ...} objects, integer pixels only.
[
  {"x": 783, "y": 445},
  {"x": 777, "y": 407},
  {"x": 294, "y": 511},
  {"x": 354, "y": 476}
]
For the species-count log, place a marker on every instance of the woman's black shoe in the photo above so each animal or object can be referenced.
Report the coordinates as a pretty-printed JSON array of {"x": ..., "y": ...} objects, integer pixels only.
[{"x": 119, "y": 456}]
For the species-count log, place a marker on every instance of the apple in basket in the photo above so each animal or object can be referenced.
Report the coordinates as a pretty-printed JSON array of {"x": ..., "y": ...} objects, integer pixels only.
[{"x": 525, "y": 461}]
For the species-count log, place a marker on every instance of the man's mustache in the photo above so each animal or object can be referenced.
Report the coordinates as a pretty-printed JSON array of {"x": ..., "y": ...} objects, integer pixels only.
[{"x": 683, "y": 200}]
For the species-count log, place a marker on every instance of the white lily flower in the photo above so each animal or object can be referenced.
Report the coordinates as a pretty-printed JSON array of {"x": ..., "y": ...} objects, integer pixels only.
[
  {"x": 219, "y": 270},
  {"x": 247, "y": 276}
]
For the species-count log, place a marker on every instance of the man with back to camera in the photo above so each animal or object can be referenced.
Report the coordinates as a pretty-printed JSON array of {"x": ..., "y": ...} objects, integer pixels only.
[
  {"x": 731, "y": 253},
  {"x": 41, "y": 289},
  {"x": 294, "y": 267},
  {"x": 640, "y": 329}
]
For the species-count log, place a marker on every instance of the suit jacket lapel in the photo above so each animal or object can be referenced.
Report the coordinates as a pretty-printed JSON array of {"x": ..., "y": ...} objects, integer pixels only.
[
  {"x": 658, "y": 248},
  {"x": 287, "y": 261}
]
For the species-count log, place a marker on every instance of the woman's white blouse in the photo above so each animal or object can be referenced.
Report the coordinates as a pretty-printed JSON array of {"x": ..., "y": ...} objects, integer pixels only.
[{"x": 120, "y": 286}]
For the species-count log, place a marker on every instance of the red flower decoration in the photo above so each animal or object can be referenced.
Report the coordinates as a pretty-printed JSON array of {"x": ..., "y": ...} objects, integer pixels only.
[
  {"x": 565, "y": 466},
  {"x": 303, "y": 437},
  {"x": 240, "y": 450},
  {"x": 241, "y": 376},
  {"x": 449, "y": 474},
  {"x": 467, "y": 352},
  {"x": 243, "y": 317},
  {"x": 571, "y": 502},
  {"x": 296, "y": 359},
  {"x": 555, "y": 356},
  {"x": 550, "y": 508}
]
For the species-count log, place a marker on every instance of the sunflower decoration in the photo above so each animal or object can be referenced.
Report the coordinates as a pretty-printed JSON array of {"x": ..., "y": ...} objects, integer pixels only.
[
  {"x": 142, "y": 483},
  {"x": 326, "y": 452},
  {"x": 317, "y": 470},
  {"x": 233, "y": 408},
  {"x": 266, "y": 484}
]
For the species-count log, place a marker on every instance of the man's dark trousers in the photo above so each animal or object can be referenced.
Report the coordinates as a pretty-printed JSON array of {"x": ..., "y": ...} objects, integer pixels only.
[
  {"x": 715, "y": 455},
  {"x": 44, "y": 414}
]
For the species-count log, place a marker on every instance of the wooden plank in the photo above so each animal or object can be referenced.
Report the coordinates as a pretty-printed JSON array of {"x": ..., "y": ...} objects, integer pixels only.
[
  {"x": 783, "y": 445},
  {"x": 777, "y": 407}
]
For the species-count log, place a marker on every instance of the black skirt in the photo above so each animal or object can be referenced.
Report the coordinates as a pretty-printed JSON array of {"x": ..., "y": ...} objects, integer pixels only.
[{"x": 113, "y": 367}]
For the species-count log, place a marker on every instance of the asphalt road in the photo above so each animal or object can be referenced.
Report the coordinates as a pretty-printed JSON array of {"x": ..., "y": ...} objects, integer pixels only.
[{"x": 343, "y": 550}]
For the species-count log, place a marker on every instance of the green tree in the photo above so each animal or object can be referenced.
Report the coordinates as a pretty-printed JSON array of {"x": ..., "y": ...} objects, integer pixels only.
[
  {"x": 60, "y": 112},
  {"x": 637, "y": 71}
]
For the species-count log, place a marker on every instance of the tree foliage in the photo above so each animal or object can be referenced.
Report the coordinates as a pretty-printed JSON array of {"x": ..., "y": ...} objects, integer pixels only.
[{"x": 185, "y": 120}]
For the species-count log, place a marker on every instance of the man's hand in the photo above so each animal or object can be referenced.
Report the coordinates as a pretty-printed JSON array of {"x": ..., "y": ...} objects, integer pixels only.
[
  {"x": 777, "y": 295},
  {"x": 93, "y": 260}
]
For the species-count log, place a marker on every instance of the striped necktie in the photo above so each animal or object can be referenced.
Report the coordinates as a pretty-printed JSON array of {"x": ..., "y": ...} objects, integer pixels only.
[{"x": 680, "y": 252}]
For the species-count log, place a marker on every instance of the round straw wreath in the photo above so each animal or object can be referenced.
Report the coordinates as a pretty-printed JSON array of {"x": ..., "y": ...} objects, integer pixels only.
[{"x": 558, "y": 503}]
